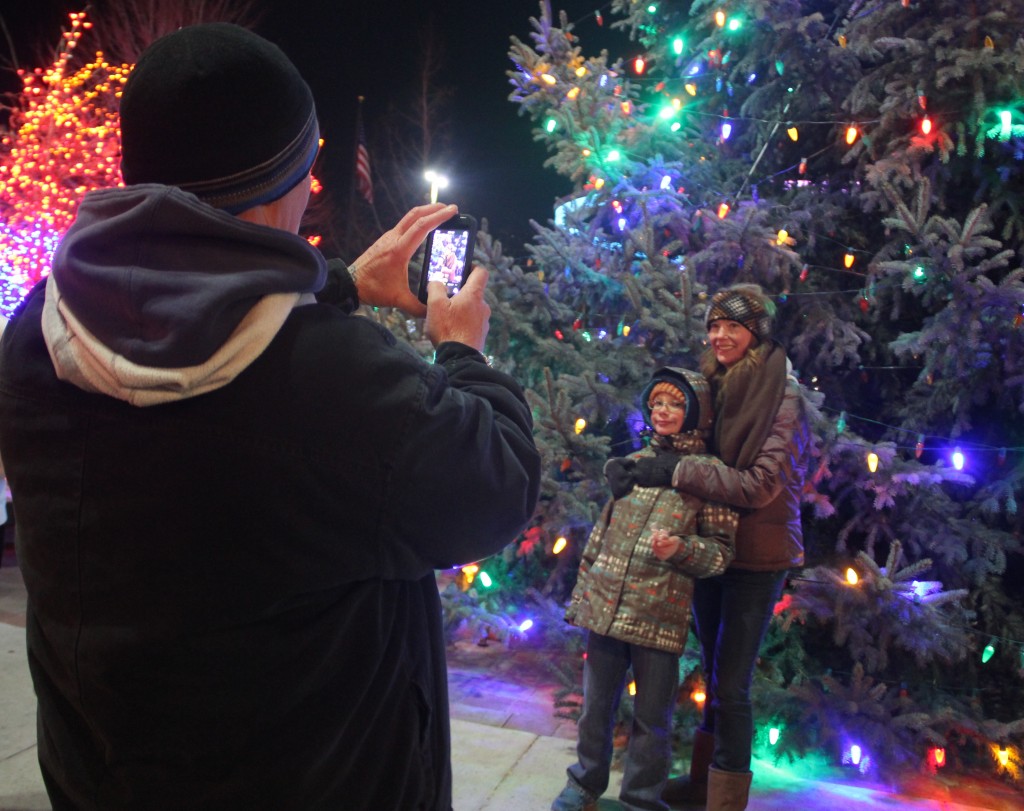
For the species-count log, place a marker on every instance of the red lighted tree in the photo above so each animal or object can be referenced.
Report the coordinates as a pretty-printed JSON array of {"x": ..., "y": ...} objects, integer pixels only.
[{"x": 62, "y": 140}]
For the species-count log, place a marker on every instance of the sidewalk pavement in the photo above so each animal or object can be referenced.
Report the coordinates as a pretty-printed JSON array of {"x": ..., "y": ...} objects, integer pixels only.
[{"x": 509, "y": 753}]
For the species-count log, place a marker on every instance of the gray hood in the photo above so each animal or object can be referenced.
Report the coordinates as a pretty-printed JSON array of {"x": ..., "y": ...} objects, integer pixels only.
[{"x": 156, "y": 296}]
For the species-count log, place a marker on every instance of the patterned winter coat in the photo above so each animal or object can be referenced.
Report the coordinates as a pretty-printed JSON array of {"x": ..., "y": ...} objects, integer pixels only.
[{"x": 623, "y": 590}]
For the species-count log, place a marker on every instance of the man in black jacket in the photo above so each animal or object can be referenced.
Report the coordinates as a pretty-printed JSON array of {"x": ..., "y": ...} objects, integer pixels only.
[{"x": 232, "y": 497}]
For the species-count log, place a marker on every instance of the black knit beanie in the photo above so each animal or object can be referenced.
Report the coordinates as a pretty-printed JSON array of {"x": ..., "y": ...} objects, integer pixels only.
[{"x": 218, "y": 111}]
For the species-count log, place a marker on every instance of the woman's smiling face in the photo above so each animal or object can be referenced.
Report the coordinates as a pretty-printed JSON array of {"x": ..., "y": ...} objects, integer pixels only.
[{"x": 730, "y": 340}]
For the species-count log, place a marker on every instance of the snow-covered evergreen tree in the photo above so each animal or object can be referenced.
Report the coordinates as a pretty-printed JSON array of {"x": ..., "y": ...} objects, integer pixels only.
[{"x": 862, "y": 161}]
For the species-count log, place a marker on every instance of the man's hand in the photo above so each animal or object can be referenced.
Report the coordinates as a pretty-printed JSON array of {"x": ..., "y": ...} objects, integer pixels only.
[
  {"x": 619, "y": 473},
  {"x": 657, "y": 470},
  {"x": 381, "y": 274},
  {"x": 465, "y": 317}
]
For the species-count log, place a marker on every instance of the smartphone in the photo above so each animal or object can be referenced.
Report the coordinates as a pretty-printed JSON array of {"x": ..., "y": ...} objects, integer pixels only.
[{"x": 448, "y": 256}]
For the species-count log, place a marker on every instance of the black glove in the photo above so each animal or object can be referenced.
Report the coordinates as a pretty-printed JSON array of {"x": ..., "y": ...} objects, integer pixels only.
[
  {"x": 655, "y": 471},
  {"x": 619, "y": 473}
]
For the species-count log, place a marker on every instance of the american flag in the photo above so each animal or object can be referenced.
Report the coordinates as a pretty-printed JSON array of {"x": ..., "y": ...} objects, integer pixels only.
[{"x": 363, "y": 180}]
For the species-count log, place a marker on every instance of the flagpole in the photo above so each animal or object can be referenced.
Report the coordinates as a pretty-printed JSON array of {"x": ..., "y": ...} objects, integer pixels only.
[{"x": 363, "y": 180}]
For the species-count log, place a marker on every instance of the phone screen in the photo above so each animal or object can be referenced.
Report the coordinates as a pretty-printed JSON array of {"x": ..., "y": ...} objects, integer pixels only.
[
  {"x": 448, "y": 250},
  {"x": 449, "y": 255}
]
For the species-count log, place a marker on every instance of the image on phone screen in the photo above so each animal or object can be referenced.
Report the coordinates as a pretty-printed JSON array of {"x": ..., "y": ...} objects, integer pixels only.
[{"x": 448, "y": 258}]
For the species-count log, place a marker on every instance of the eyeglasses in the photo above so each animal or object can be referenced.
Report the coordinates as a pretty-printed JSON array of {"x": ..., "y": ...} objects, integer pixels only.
[{"x": 668, "y": 405}]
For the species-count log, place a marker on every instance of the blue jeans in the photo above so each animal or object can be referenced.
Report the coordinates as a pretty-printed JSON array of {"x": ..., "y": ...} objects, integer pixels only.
[
  {"x": 649, "y": 753},
  {"x": 731, "y": 614}
]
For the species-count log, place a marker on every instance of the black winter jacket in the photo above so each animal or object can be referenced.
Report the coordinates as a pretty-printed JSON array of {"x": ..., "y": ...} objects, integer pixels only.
[{"x": 231, "y": 596}]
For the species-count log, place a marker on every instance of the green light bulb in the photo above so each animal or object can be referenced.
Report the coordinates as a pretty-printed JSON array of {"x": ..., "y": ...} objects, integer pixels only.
[{"x": 1005, "y": 121}]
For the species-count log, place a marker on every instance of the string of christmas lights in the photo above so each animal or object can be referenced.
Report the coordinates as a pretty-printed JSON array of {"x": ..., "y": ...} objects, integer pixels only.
[{"x": 921, "y": 443}]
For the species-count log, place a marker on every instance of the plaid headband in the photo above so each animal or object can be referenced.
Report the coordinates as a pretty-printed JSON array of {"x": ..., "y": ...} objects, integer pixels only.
[{"x": 734, "y": 305}]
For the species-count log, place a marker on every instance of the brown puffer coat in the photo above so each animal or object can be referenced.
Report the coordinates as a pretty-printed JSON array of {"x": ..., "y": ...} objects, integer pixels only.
[{"x": 767, "y": 493}]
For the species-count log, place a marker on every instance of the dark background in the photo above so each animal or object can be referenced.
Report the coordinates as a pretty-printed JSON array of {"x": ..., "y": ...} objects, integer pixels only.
[{"x": 348, "y": 49}]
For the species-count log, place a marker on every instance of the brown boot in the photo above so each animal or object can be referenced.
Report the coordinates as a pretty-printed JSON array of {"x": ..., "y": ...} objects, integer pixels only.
[
  {"x": 692, "y": 789},
  {"x": 728, "y": 791}
]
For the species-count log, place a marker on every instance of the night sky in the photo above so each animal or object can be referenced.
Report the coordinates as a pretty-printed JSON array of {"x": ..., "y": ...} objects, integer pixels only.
[{"x": 348, "y": 49}]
